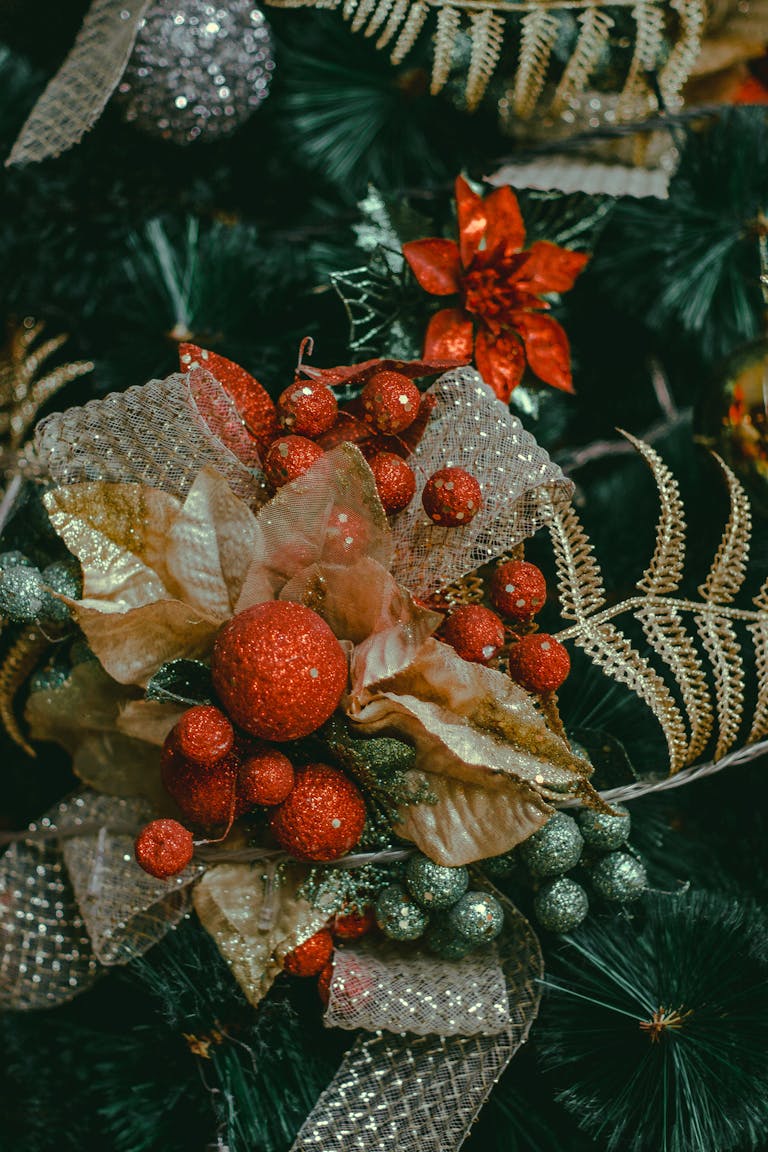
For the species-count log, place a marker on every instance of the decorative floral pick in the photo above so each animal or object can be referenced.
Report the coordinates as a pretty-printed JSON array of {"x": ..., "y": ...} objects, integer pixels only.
[{"x": 501, "y": 285}]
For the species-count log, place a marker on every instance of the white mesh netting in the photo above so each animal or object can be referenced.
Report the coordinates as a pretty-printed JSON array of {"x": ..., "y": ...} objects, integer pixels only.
[
  {"x": 471, "y": 429},
  {"x": 161, "y": 434}
]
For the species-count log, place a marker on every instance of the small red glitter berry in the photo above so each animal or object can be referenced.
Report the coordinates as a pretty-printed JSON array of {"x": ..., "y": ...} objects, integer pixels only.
[
  {"x": 518, "y": 589},
  {"x": 352, "y": 923},
  {"x": 475, "y": 632},
  {"x": 204, "y": 735},
  {"x": 324, "y": 983},
  {"x": 539, "y": 662},
  {"x": 346, "y": 536},
  {"x": 265, "y": 777},
  {"x": 307, "y": 408},
  {"x": 278, "y": 670},
  {"x": 164, "y": 848},
  {"x": 205, "y": 795},
  {"x": 452, "y": 497},
  {"x": 290, "y": 457},
  {"x": 391, "y": 401},
  {"x": 322, "y": 818},
  {"x": 395, "y": 481},
  {"x": 309, "y": 958}
]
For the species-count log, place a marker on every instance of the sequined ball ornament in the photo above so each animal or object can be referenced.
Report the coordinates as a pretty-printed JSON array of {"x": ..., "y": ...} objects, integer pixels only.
[
  {"x": 265, "y": 777},
  {"x": 395, "y": 481},
  {"x": 476, "y": 633},
  {"x": 198, "y": 70},
  {"x": 311, "y": 957},
  {"x": 539, "y": 663},
  {"x": 290, "y": 457},
  {"x": 602, "y": 831},
  {"x": 477, "y": 917},
  {"x": 279, "y": 671},
  {"x": 307, "y": 408},
  {"x": 352, "y": 923},
  {"x": 398, "y": 915},
  {"x": 322, "y": 818},
  {"x": 434, "y": 886},
  {"x": 442, "y": 941},
  {"x": 619, "y": 877},
  {"x": 391, "y": 402},
  {"x": 164, "y": 848},
  {"x": 561, "y": 905},
  {"x": 518, "y": 589},
  {"x": 452, "y": 497},
  {"x": 555, "y": 848}
]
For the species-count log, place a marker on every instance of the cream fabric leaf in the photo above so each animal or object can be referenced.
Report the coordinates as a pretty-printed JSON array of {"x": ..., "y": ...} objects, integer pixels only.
[
  {"x": 88, "y": 701},
  {"x": 76, "y": 96},
  {"x": 121, "y": 766},
  {"x": 149, "y": 720}
]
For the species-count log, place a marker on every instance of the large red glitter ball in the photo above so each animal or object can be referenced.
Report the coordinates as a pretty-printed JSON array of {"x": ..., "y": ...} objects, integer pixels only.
[
  {"x": 518, "y": 589},
  {"x": 395, "y": 481},
  {"x": 265, "y": 777},
  {"x": 391, "y": 401},
  {"x": 452, "y": 497},
  {"x": 475, "y": 632},
  {"x": 309, "y": 958},
  {"x": 307, "y": 408},
  {"x": 204, "y": 735},
  {"x": 539, "y": 662},
  {"x": 278, "y": 670},
  {"x": 346, "y": 537},
  {"x": 322, "y": 818},
  {"x": 324, "y": 983},
  {"x": 206, "y": 796},
  {"x": 352, "y": 923},
  {"x": 290, "y": 457},
  {"x": 164, "y": 848}
]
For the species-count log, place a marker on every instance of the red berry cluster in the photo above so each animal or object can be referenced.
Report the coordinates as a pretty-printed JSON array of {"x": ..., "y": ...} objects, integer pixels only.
[
  {"x": 314, "y": 957},
  {"x": 279, "y": 673}
]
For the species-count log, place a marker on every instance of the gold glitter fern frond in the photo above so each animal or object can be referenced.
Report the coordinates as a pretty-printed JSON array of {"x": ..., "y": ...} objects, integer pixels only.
[
  {"x": 23, "y": 391},
  {"x": 706, "y": 666},
  {"x": 20, "y": 661}
]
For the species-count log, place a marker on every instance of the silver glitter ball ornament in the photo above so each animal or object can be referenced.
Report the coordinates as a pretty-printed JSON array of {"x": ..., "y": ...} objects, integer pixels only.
[
  {"x": 433, "y": 885},
  {"x": 442, "y": 942},
  {"x": 14, "y": 559},
  {"x": 477, "y": 917},
  {"x": 498, "y": 866},
  {"x": 619, "y": 877},
  {"x": 555, "y": 848},
  {"x": 606, "y": 833},
  {"x": 561, "y": 905},
  {"x": 198, "y": 69},
  {"x": 63, "y": 576},
  {"x": 48, "y": 679},
  {"x": 398, "y": 915},
  {"x": 23, "y": 594}
]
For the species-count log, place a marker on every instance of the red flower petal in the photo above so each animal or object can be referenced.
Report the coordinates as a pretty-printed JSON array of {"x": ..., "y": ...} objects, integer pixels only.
[
  {"x": 252, "y": 401},
  {"x": 505, "y": 221},
  {"x": 546, "y": 348},
  {"x": 500, "y": 361},
  {"x": 550, "y": 268},
  {"x": 472, "y": 220},
  {"x": 449, "y": 334},
  {"x": 435, "y": 264}
]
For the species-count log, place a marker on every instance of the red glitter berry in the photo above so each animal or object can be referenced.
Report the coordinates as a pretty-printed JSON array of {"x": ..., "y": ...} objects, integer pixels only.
[
  {"x": 322, "y": 818},
  {"x": 391, "y": 401},
  {"x": 309, "y": 958},
  {"x": 164, "y": 848},
  {"x": 278, "y": 670},
  {"x": 290, "y": 457},
  {"x": 518, "y": 589},
  {"x": 475, "y": 632},
  {"x": 452, "y": 497},
  {"x": 395, "y": 481},
  {"x": 539, "y": 662},
  {"x": 204, "y": 735},
  {"x": 346, "y": 536},
  {"x": 265, "y": 777},
  {"x": 204, "y": 795},
  {"x": 352, "y": 923},
  {"x": 308, "y": 408},
  {"x": 324, "y": 983}
]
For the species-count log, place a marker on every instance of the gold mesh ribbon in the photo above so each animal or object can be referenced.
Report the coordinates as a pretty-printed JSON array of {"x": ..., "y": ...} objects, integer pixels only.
[{"x": 408, "y": 1093}]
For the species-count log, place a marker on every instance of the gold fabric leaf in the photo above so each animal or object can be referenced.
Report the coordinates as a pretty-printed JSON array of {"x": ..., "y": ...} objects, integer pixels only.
[
  {"x": 120, "y": 766},
  {"x": 150, "y": 720},
  {"x": 88, "y": 701}
]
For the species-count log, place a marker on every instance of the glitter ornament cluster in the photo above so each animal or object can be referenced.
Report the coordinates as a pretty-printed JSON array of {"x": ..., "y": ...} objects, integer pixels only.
[{"x": 199, "y": 70}]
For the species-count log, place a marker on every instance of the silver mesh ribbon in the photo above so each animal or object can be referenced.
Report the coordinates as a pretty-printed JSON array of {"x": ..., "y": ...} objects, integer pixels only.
[
  {"x": 161, "y": 434},
  {"x": 77, "y": 94},
  {"x": 469, "y": 428},
  {"x": 76, "y": 900},
  {"x": 422, "y": 1093}
]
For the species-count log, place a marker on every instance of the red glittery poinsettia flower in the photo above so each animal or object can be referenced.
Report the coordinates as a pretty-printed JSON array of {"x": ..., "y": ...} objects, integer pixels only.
[{"x": 501, "y": 285}]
